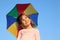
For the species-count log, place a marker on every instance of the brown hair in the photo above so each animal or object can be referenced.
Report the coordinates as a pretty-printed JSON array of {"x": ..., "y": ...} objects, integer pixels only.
[{"x": 20, "y": 22}]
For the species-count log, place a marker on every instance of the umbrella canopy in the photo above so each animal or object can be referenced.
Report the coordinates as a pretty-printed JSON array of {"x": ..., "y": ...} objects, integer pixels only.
[{"x": 15, "y": 12}]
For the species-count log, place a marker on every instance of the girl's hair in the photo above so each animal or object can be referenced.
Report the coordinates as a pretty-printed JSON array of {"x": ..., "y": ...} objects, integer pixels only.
[{"x": 19, "y": 20}]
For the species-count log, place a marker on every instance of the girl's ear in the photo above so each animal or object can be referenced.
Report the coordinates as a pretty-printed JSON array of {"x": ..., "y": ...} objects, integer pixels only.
[{"x": 30, "y": 20}]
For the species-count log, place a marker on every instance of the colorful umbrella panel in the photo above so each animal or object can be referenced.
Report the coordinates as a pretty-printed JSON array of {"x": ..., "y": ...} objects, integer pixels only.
[{"x": 15, "y": 12}]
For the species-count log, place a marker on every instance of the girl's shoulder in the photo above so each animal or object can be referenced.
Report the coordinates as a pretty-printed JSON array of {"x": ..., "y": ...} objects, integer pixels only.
[
  {"x": 33, "y": 29},
  {"x": 36, "y": 30}
]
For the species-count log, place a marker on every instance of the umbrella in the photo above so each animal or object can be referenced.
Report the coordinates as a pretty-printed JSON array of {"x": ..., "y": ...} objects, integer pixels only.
[{"x": 27, "y": 9}]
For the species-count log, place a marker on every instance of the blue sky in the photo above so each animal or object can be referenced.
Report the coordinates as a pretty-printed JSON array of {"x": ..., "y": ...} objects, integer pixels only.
[{"x": 48, "y": 19}]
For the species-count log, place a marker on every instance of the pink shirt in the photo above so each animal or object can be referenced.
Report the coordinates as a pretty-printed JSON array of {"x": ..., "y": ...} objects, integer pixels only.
[{"x": 29, "y": 34}]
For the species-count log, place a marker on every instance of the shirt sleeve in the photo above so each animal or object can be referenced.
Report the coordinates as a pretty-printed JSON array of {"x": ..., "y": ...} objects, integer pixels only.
[
  {"x": 37, "y": 35},
  {"x": 19, "y": 36}
]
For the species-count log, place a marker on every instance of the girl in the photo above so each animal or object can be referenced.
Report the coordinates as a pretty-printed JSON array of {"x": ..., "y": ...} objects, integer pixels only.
[{"x": 28, "y": 32}]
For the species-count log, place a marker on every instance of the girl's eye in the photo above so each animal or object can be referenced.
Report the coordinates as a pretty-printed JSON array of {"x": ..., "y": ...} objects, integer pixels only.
[{"x": 25, "y": 17}]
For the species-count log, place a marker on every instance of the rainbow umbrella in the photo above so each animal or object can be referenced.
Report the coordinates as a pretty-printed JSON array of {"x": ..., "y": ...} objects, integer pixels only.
[{"x": 15, "y": 12}]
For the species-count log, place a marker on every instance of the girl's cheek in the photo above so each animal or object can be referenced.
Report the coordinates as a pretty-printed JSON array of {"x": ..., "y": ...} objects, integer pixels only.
[{"x": 23, "y": 22}]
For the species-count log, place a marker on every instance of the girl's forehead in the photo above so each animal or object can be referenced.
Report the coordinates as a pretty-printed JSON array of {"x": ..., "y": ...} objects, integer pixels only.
[{"x": 24, "y": 15}]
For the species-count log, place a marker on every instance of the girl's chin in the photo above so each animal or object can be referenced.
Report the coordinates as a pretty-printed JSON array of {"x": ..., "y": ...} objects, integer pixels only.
[{"x": 27, "y": 25}]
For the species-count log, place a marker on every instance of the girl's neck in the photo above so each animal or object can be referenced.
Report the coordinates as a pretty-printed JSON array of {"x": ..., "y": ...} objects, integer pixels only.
[{"x": 28, "y": 27}]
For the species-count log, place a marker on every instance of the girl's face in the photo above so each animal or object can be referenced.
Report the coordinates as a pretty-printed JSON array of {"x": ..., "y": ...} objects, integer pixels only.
[{"x": 25, "y": 21}]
